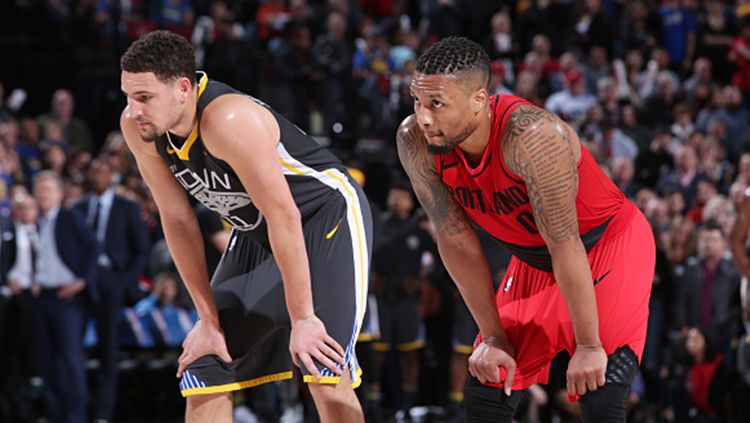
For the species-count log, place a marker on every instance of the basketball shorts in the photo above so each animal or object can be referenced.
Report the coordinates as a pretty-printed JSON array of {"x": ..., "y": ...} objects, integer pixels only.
[
  {"x": 464, "y": 328},
  {"x": 401, "y": 325},
  {"x": 535, "y": 315},
  {"x": 249, "y": 295}
]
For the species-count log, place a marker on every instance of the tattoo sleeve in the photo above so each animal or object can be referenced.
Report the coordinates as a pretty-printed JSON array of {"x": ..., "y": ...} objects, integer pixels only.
[
  {"x": 446, "y": 214},
  {"x": 540, "y": 148}
]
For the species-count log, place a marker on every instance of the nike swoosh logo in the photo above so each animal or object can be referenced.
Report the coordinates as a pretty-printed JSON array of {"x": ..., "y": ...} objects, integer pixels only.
[
  {"x": 600, "y": 278},
  {"x": 330, "y": 235}
]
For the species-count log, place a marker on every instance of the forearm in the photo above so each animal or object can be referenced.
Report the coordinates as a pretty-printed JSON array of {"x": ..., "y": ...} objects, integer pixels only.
[
  {"x": 186, "y": 245},
  {"x": 573, "y": 276},
  {"x": 468, "y": 268},
  {"x": 288, "y": 246}
]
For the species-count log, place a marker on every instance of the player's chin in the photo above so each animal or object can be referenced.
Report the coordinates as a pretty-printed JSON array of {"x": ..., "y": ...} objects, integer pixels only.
[{"x": 440, "y": 147}]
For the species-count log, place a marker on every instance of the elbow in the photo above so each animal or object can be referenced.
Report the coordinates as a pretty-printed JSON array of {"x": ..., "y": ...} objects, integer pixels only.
[
  {"x": 286, "y": 217},
  {"x": 177, "y": 218}
]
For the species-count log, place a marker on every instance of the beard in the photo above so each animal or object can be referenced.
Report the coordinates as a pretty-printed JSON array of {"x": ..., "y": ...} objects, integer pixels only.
[
  {"x": 445, "y": 148},
  {"x": 451, "y": 143},
  {"x": 150, "y": 135}
]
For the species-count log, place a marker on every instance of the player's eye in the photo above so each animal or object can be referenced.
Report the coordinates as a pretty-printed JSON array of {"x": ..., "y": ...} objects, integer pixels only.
[{"x": 437, "y": 104}]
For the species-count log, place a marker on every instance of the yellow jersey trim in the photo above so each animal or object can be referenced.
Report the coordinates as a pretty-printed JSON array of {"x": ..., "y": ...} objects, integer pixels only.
[
  {"x": 183, "y": 153},
  {"x": 410, "y": 346},
  {"x": 463, "y": 349},
  {"x": 381, "y": 346},
  {"x": 236, "y": 386},
  {"x": 333, "y": 380},
  {"x": 360, "y": 233}
]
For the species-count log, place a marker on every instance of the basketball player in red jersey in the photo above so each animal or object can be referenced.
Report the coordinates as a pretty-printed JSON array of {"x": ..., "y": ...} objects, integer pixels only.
[{"x": 583, "y": 256}]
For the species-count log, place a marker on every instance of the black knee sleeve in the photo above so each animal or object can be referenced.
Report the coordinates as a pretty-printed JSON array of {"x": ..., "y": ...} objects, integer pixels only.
[
  {"x": 607, "y": 404},
  {"x": 485, "y": 404}
]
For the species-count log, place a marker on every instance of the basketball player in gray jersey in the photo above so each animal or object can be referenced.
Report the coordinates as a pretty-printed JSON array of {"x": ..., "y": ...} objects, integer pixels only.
[{"x": 294, "y": 276}]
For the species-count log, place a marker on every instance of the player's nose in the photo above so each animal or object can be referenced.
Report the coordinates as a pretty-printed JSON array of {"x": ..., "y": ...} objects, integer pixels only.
[{"x": 424, "y": 118}]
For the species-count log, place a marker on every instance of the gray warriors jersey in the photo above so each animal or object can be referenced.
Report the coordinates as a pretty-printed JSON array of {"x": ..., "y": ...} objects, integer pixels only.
[{"x": 313, "y": 173}]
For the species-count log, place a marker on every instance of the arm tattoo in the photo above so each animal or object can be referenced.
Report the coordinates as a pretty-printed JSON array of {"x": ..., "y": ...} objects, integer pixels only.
[
  {"x": 448, "y": 217},
  {"x": 539, "y": 147}
]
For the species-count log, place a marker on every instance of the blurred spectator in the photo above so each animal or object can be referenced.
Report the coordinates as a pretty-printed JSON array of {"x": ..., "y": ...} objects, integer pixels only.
[
  {"x": 332, "y": 54},
  {"x": 683, "y": 122},
  {"x": 572, "y": 103},
  {"x": 658, "y": 108},
  {"x": 208, "y": 28},
  {"x": 168, "y": 320},
  {"x": 271, "y": 18},
  {"x": 720, "y": 210},
  {"x": 685, "y": 175},
  {"x": 54, "y": 159},
  {"x": 678, "y": 33},
  {"x": 397, "y": 281},
  {"x": 716, "y": 31},
  {"x": 739, "y": 54},
  {"x": 623, "y": 172},
  {"x": 500, "y": 44},
  {"x": 702, "y": 74},
  {"x": 592, "y": 28},
  {"x": 707, "y": 379},
  {"x": 65, "y": 267},
  {"x": 123, "y": 246},
  {"x": 655, "y": 161},
  {"x": 75, "y": 131},
  {"x": 706, "y": 191},
  {"x": 17, "y": 254},
  {"x": 174, "y": 15},
  {"x": 708, "y": 291},
  {"x": 638, "y": 27}
]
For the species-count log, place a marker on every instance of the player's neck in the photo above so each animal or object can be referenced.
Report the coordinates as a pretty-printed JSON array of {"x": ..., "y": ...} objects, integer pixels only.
[
  {"x": 475, "y": 144},
  {"x": 186, "y": 122}
]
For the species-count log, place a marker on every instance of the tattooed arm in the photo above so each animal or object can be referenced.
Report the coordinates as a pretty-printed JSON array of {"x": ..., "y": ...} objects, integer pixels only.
[
  {"x": 458, "y": 245},
  {"x": 543, "y": 151}
]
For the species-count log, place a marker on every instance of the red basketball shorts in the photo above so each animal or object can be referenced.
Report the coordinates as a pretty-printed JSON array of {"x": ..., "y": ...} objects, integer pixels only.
[{"x": 535, "y": 315}]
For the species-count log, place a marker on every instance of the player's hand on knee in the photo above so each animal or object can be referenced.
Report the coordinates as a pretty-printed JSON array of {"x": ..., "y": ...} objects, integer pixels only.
[
  {"x": 309, "y": 340},
  {"x": 587, "y": 370},
  {"x": 204, "y": 339},
  {"x": 489, "y": 357}
]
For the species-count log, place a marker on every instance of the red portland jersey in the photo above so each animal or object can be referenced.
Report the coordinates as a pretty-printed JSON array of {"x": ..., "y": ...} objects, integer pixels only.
[{"x": 496, "y": 199}]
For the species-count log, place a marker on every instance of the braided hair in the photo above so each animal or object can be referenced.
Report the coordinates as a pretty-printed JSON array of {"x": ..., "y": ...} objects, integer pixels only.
[{"x": 453, "y": 56}]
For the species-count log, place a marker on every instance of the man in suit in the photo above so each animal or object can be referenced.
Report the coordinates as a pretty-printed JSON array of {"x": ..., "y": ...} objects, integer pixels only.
[
  {"x": 18, "y": 340},
  {"x": 124, "y": 247},
  {"x": 708, "y": 291},
  {"x": 64, "y": 271}
]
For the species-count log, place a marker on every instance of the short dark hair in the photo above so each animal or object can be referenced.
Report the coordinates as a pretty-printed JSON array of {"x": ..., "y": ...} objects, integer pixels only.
[
  {"x": 453, "y": 55},
  {"x": 168, "y": 55}
]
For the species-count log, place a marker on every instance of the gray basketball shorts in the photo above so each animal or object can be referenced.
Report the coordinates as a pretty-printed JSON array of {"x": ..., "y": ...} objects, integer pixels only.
[{"x": 249, "y": 295}]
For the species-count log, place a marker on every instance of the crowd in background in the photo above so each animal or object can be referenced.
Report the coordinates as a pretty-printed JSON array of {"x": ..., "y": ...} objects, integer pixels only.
[{"x": 658, "y": 91}]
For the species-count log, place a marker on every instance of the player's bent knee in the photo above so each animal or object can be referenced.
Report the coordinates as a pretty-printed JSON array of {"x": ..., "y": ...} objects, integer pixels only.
[
  {"x": 198, "y": 401},
  {"x": 605, "y": 405},
  {"x": 332, "y": 394}
]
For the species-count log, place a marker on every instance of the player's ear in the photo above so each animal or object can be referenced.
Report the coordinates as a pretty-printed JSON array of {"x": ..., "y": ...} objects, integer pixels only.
[
  {"x": 479, "y": 100},
  {"x": 185, "y": 88}
]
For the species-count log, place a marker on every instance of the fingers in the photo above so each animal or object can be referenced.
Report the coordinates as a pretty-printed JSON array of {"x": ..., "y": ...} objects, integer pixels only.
[
  {"x": 331, "y": 343},
  {"x": 224, "y": 355},
  {"x": 510, "y": 371},
  {"x": 330, "y": 353},
  {"x": 580, "y": 384},
  {"x": 310, "y": 366},
  {"x": 182, "y": 362}
]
